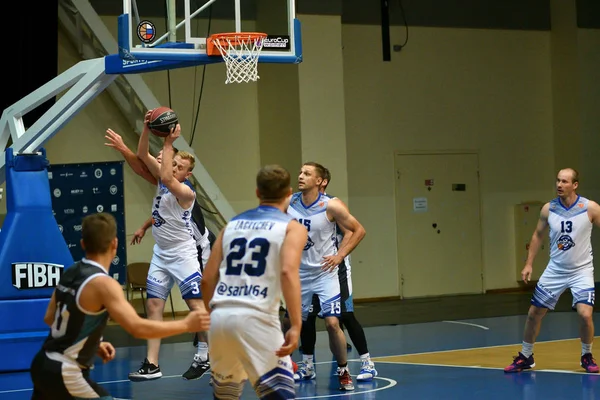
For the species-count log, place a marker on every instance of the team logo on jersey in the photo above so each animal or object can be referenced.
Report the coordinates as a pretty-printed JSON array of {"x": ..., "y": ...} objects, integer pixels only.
[
  {"x": 309, "y": 244},
  {"x": 565, "y": 243},
  {"x": 157, "y": 220}
]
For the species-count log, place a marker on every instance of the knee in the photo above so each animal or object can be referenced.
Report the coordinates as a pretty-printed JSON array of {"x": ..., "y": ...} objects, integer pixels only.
[
  {"x": 536, "y": 314},
  {"x": 155, "y": 306},
  {"x": 585, "y": 314},
  {"x": 332, "y": 324}
]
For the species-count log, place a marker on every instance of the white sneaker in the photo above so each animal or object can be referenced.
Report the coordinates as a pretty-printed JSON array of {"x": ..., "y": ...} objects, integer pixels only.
[
  {"x": 306, "y": 371},
  {"x": 367, "y": 371}
]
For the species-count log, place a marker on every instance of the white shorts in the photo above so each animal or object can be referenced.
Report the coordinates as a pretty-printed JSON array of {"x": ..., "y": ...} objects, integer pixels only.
[
  {"x": 242, "y": 344},
  {"x": 167, "y": 268},
  {"x": 552, "y": 284},
  {"x": 326, "y": 285}
]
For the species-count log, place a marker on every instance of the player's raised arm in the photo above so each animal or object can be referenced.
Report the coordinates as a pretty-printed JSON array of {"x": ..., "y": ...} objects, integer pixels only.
[
  {"x": 174, "y": 172},
  {"x": 115, "y": 141},
  {"x": 143, "y": 151}
]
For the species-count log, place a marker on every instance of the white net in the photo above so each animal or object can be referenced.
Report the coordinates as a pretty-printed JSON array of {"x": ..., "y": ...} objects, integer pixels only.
[{"x": 240, "y": 52}]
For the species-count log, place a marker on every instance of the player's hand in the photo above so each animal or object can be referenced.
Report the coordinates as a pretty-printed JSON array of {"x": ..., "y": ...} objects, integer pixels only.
[
  {"x": 175, "y": 133},
  {"x": 114, "y": 140},
  {"x": 197, "y": 321},
  {"x": 106, "y": 352},
  {"x": 526, "y": 273},
  {"x": 147, "y": 117},
  {"x": 290, "y": 344},
  {"x": 330, "y": 262},
  {"x": 137, "y": 236}
]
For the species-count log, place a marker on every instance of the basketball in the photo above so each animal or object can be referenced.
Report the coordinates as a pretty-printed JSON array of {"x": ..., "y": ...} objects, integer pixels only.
[{"x": 162, "y": 120}]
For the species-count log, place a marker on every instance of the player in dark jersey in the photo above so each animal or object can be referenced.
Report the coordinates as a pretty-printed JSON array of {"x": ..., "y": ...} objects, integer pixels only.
[{"x": 79, "y": 308}]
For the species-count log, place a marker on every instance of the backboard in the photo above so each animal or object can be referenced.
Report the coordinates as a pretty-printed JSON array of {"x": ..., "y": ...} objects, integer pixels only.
[{"x": 177, "y": 33}]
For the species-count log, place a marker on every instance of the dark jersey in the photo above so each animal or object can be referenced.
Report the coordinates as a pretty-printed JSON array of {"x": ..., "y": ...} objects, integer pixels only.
[{"x": 75, "y": 333}]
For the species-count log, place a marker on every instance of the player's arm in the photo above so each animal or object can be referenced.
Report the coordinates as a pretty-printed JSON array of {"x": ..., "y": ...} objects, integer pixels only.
[
  {"x": 338, "y": 212},
  {"x": 210, "y": 276},
  {"x": 137, "y": 165},
  {"x": 143, "y": 150},
  {"x": 185, "y": 195},
  {"x": 290, "y": 255},
  {"x": 139, "y": 234},
  {"x": 594, "y": 212},
  {"x": 536, "y": 242},
  {"x": 105, "y": 291},
  {"x": 51, "y": 310}
]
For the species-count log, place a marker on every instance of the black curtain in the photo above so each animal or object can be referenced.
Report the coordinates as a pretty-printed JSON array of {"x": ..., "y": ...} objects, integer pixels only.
[{"x": 32, "y": 52}]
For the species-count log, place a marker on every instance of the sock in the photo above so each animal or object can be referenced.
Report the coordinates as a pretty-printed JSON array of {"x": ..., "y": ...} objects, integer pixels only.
[
  {"x": 365, "y": 357},
  {"x": 202, "y": 351},
  {"x": 343, "y": 367},
  {"x": 586, "y": 348},
  {"x": 307, "y": 358},
  {"x": 527, "y": 349}
]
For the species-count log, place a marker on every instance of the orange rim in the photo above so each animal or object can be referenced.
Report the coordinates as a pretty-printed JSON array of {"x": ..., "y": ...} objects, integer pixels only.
[{"x": 235, "y": 38}]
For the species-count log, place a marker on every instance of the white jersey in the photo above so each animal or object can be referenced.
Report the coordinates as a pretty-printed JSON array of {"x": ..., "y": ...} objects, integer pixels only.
[
  {"x": 250, "y": 273},
  {"x": 171, "y": 224},
  {"x": 322, "y": 240},
  {"x": 570, "y": 235}
]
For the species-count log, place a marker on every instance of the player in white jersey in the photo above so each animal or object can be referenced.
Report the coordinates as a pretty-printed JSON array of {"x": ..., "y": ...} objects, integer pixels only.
[
  {"x": 253, "y": 261},
  {"x": 175, "y": 256},
  {"x": 203, "y": 242},
  {"x": 570, "y": 218},
  {"x": 320, "y": 259}
]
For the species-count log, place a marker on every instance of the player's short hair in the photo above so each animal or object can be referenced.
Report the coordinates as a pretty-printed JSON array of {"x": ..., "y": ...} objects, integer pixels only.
[
  {"x": 327, "y": 177},
  {"x": 184, "y": 155},
  {"x": 319, "y": 169},
  {"x": 574, "y": 174},
  {"x": 97, "y": 232},
  {"x": 273, "y": 182}
]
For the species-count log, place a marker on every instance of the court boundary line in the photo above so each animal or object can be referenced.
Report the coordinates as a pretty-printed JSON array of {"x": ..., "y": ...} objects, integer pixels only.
[
  {"x": 485, "y": 328},
  {"x": 475, "y": 348}
]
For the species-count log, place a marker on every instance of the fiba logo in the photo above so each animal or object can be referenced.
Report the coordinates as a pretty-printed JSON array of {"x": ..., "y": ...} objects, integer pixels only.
[
  {"x": 35, "y": 275},
  {"x": 146, "y": 31}
]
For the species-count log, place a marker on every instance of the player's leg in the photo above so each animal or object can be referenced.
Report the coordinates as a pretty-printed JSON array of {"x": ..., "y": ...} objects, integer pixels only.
[
  {"x": 270, "y": 375},
  {"x": 545, "y": 296},
  {"x": 355, "y": 330},
  {"x": 308, "y": 339},
  {"x": 584, "y": 295},
  {"x": 188, "y": 278},
  {"x": 306, "y": 368},
  {"x": 158, "y": 286},
  {"x": 54, "y": 380},
  {"x": 227, "y": 373},
  {"x": 327, "y": 287}
]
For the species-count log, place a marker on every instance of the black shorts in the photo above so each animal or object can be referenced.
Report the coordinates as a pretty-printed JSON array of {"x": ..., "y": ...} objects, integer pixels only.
[
  {"x": 200, "y": 259},
  {"x": 54, "y": 380}
]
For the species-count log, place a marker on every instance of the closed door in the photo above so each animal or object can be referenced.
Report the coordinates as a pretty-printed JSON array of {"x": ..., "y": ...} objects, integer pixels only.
[{"x": 438, "y": 224}]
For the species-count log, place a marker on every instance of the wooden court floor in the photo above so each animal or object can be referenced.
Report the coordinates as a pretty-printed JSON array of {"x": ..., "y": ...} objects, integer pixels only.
[{"x": 448, "y": 359}]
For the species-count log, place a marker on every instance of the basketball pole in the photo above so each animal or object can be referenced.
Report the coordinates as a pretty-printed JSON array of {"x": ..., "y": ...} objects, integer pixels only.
[{"x": 172, "y": 20}]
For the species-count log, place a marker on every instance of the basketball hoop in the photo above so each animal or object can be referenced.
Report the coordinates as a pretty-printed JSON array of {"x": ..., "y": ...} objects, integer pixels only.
[{"x": 240, "y": 50}]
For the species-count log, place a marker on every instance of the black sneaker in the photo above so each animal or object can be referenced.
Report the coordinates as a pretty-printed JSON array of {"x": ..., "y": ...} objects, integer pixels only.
[
  {"x": 147, "y": 372},
  {"x": 197, "y": 369}
]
